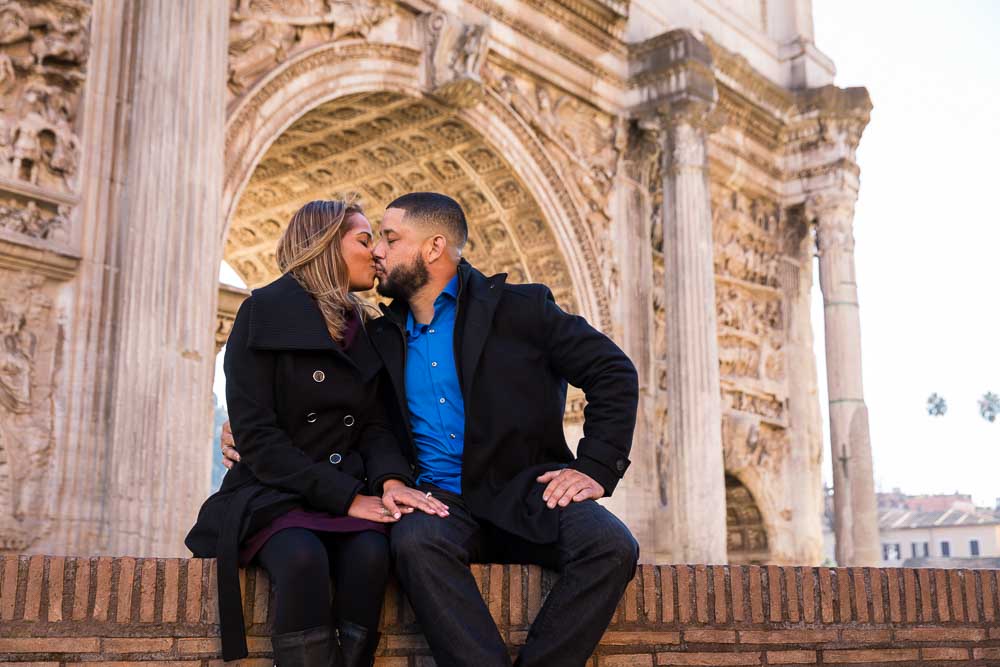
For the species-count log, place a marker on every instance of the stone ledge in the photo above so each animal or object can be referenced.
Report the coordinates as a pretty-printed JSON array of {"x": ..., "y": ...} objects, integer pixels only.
[{"x": 56, "y": 610}]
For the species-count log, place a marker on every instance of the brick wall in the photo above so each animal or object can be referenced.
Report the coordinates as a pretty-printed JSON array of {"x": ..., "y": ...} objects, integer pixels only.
[{"x": 117, "y": 611}]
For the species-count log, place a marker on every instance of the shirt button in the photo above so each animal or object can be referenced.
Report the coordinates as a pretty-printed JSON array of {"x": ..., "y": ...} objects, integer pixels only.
[
  {"x": 451, "y": 435},
  {"x": 440, "y": 400},
  {"x": 430, "y": 331},
  {"x": 434, "y": 363}
]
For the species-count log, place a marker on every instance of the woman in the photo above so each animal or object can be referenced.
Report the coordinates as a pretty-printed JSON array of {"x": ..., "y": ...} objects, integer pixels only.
[{"x": 315, "y": 453}]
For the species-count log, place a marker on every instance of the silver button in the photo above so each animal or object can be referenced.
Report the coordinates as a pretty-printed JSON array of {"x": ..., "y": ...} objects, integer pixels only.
[
  {"x": 348, "y": 420},
  {"x": 319, "y": 376},
  {"x": 311, "y": 417},
  {"x": 440, "y": 400},
  {"x": 336, "y": 458},
  {"x": 451, "y": 435},
  {"x": 431, "y": 331},
  {"x": 434, "y": 363}
]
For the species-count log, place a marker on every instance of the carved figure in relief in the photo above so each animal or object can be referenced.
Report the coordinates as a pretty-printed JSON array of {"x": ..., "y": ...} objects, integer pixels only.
[{"x": 27, "y": 148}]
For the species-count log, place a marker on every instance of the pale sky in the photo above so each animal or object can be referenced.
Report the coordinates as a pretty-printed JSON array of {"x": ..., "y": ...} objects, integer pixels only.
[{"x": 927, "y": 235}]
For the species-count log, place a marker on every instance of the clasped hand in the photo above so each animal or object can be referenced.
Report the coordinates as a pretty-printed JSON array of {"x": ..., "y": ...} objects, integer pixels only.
[{"x": 567, "y": 486}]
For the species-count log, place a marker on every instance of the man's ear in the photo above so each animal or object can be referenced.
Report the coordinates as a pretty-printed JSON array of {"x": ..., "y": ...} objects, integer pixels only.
[{"x": 436, "y": 248}]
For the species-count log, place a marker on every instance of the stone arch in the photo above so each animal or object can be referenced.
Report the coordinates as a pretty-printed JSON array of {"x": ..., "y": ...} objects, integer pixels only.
[
  {"x": 318, "y": 78},
  {"x": 747, "y": 534}
]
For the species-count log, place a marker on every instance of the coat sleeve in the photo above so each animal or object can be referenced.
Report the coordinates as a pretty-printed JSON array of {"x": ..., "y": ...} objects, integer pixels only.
[
  {"x": 588, "y": 359},
  {"x": 383, "y": 457},
  {"x": 263, "y": 445}
]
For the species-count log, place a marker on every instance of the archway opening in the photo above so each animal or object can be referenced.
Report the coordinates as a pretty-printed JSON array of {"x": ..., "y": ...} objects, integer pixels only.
[{"x": 746, "y": 534}]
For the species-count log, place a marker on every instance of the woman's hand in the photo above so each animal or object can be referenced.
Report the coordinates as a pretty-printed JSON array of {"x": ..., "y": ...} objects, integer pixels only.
[
  {"x": 398, "y": 498},
  {"x": 371, "y": 508}
]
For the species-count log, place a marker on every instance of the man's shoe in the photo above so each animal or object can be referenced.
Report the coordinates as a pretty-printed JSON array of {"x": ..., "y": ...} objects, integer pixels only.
[
  {"x": 357, "y": 644},
  {"x": 312, "y": 647}
]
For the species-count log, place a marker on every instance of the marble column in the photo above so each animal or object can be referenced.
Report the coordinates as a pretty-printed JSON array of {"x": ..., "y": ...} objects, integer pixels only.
[
  {"x": 855, "y": 513},
  {"x": 695, "y": 477},
  {"x": 167, "y": 251}
]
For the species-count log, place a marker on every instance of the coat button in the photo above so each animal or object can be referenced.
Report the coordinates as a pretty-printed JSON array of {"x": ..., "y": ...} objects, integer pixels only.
[
  {"x": 620, "y": 464},
  {"x": 311, "y": 417},
  {"x": 319, "y": 376},
  {"x": 348, "y": 420},
  {"x": 336, "y": 458}
]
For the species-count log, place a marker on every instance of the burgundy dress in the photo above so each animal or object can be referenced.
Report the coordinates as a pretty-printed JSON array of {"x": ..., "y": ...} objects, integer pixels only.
[{"x": 304, "y": 518}]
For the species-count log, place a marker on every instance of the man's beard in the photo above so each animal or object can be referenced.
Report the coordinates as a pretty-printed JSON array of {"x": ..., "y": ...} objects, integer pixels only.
[{"x": 404, "y": 281}]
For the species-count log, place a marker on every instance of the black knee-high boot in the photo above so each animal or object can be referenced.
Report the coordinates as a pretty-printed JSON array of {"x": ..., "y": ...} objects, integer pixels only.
[
  {"x": 357, "y": 644},
  {"x": 312, "y": 647}
]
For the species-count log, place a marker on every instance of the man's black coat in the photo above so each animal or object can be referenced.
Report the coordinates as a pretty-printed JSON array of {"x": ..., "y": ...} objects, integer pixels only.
[{"x": 515, "y": 350}]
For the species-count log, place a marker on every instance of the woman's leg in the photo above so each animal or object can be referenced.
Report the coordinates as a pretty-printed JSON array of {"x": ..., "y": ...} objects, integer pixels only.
[
  {"x": 296, "y": 560},
  {"x": 360, "y": 570}
]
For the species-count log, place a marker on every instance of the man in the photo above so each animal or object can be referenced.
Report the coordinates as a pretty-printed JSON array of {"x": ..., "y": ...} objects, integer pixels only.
[{"x": 479, "y": 368}]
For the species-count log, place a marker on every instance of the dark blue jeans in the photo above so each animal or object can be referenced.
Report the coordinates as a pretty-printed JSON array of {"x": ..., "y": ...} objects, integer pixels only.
[{"x": 595, "y": 557}]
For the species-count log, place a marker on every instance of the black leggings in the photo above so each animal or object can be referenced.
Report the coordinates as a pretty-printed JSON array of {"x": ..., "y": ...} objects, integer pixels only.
[{"x": 301, "y": 564}]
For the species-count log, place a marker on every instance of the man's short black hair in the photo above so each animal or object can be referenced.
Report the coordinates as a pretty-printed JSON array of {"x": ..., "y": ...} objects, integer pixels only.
[{"x": 433, "y": 208}]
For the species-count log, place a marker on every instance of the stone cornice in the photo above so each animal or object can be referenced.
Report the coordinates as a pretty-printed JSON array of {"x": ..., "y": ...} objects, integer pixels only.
[
  {"x": 599, "y": 21},
  {"x": 671, "y": 70},
  {"x": 23, "y": 253}
]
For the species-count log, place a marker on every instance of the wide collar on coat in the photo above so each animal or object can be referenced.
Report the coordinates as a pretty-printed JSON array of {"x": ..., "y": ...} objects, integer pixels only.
[
  {"x": 285, "y": 317},
  {"x": 478, "y": 297}
]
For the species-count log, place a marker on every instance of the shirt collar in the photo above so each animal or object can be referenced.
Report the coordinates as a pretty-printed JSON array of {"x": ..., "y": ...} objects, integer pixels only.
[{"x": 450, "y": 291}]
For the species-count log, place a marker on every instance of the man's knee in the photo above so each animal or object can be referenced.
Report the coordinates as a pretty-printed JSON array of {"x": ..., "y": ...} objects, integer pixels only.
[
  {"x": 417, "y": 535},
  {"x": 603, "y": 535}
]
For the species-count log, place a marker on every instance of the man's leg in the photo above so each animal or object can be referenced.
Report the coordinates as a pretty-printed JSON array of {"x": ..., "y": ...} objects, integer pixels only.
[
  {"x": 432, "y": 556},
  {"x": 596, "y": 557}
]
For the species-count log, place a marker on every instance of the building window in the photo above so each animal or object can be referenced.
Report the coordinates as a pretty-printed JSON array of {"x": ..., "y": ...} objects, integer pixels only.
[
  {"x": 974, "y": 547},
  {"x": 946, "y": 549},
  {"x": 891, "y": 552},
  {"x": 927, "y": 549},
  {"x": 913, "y": 549}
]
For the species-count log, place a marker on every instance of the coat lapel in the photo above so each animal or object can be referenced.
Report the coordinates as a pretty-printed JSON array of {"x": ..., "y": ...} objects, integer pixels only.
[
  {"x": 389, "y": 342},
  {"x": 481, "y": 297}
]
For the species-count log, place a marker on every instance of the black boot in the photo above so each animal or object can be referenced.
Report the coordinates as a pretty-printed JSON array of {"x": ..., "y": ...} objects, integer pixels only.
[
  {"x": 358, "y": 644},
  {"x": 313, "y": 647}
]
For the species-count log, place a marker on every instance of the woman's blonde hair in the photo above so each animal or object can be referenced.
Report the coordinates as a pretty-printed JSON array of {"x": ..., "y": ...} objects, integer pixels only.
[{"x": 309, "y": 249}]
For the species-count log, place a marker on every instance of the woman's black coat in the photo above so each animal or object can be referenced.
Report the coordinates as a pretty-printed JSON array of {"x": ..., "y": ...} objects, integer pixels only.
[{"x": 310, "y": 422}]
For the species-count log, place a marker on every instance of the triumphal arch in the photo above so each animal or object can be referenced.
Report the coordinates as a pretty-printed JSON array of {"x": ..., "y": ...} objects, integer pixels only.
[{"x": 670, "y": 170}]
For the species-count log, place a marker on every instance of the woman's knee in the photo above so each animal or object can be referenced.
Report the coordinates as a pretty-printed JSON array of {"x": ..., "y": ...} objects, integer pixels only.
[
  {"x": 368, "y": 549},
  {"x": 294, "y": 555}
]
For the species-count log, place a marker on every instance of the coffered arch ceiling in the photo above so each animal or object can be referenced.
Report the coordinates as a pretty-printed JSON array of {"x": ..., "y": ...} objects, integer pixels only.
[{"x": 381, "y": 145}]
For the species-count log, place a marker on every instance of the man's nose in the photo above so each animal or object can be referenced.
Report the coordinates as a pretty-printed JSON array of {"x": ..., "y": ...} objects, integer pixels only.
[{"x": 378, "y": 252}]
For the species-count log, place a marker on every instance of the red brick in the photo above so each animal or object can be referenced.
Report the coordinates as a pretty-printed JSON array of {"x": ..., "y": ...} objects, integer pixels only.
[
  {"x": 136, "y": 644},
  {"x": 940, "y": 634},
  {"x": 479, "y": 574},
  {"x": 792, "y": 594},
  {"x": 210, "y": 592},
  {"x": 736, "y": 587},
  {"x": 518, "y": 638},
  {"x": 926, "y": 608},
  {"x": 719, "y": 659},
  {"x": 496, "y": 593},
  {"x": 910, "y": 595},
  {"x": 986, "y": 582},
  {"x": 866, "y": 636},
  {"x": 878, "y": 605},
  {"x": 774, "y": 592},
  {"x": 719, "y": 592},
  {"x": 171, "y": 589},
  {"x": 957, "y": 604},
  {"x": 756, "y": 594},
  {"x": 392, "y": 662},
  {"x": 944, "y": 654},
  {"x": 126, "y": 577},
  {"x": 102, "y": 589},
  {"x": 516, "y": 596},
  {"x": 50, "y": 645},
  {"x": 708, "y": 636},
  {"x": 893, "y": 584},
  {"x": 860, "y": 594},
  {"x": 844, "y": 594},
  {"x": 192, "y": 601},
  {"x": 81, "y": 589},
  {"x": 627, "y": 660},
  {"x": 534, "y": 591},
  {"x": 630, "y": 601},
  {"x": 825, "y": 595},
  {"x": 199, "y": 646},
  {"x": 791, "y": 657},
  {"x": 986, "y": 654},
  {"x": 871, "y": 655},
  {"x": 648, "y": 574},
  {"x": 407, "y": 616},
  {"x": 808, "y": 594},
  {"x": 795, "y": 636},
  {"x": 411, "y": 642},
  {"x": 31, "y": 664},
  {"x": 941, "y": 591},
  {"x": 175, "y": 663},
  {"x": 57, "y": 570},
  {"x": 994, "y": 633},
  {"x": 33, "y": 594},
  {"x": 667, "y": 594},
  {"x": 646, "y": 637},
  {"x": 8, "y": 587},
  {"x": 971, "y": 599},
  {"x": 684, "y": 611},
  {"x": 701, "y": 593},
  {"x": 390, "y": 605},
  {"x": 147, "y": 591}
]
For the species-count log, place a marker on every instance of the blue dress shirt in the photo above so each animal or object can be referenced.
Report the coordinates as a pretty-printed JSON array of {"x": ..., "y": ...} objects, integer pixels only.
[{"x": 434, "y": 396}]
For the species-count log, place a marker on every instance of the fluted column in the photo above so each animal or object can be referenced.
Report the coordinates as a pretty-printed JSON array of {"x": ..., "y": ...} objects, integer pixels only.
[
  {"x": 855, "y": 513},
  {"x": 167, "y": 253},
  {"x": 696, "y": 482}
]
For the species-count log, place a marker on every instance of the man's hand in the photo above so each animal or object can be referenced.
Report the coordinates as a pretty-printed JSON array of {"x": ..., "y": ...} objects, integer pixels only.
[
  {"x": 567, "y": 486},
  {"x": 399, "y": 498},
  {"x": 230, "y": 456}
]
